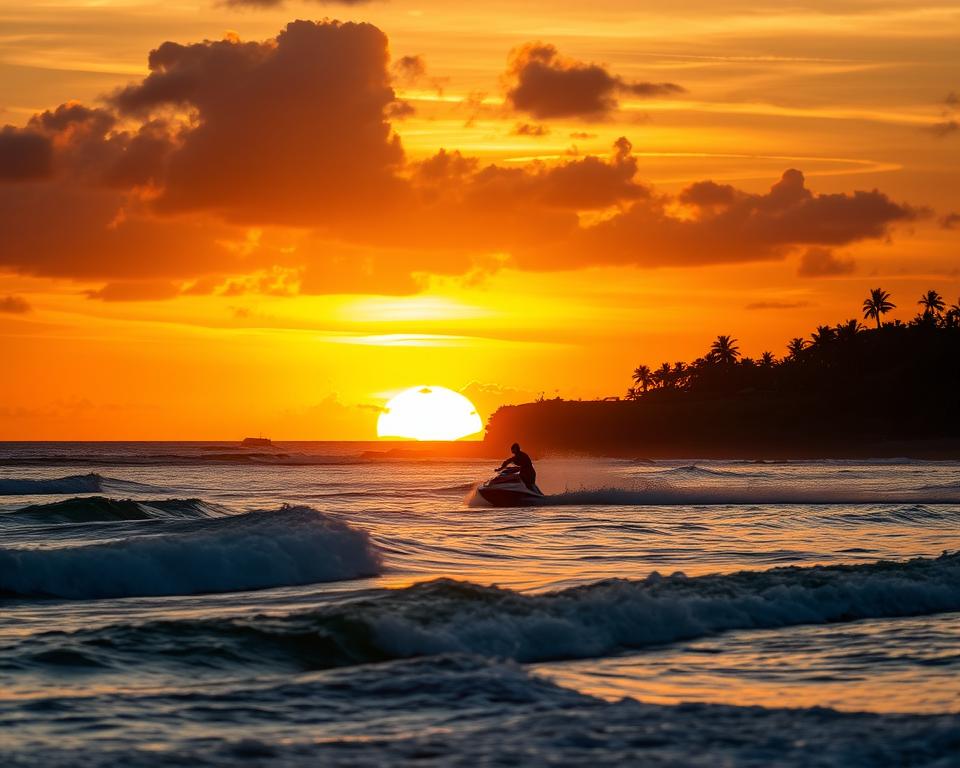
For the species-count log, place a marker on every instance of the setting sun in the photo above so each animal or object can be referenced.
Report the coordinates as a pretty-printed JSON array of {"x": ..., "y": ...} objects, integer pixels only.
[{"x": 429, "y": 413}]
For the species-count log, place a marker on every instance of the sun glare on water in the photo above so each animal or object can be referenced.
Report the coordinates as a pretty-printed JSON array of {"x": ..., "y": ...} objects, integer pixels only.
[{"x": 429, "y": 413}]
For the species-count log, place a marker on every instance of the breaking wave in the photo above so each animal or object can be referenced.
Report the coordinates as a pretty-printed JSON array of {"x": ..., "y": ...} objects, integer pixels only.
[
  {"x": 89, "y": 483},
  {"x": 90, "y": 509},
  {"x": 256, "y": 550},
  {"x": 447, "y": 616}
]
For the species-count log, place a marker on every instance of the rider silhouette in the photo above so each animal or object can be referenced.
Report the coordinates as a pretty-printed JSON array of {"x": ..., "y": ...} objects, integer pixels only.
[{"x": 527, "y": 473}]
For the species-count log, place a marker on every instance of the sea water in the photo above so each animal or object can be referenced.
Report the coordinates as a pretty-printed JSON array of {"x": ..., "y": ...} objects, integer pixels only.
[{"x": 316, "y": 603}]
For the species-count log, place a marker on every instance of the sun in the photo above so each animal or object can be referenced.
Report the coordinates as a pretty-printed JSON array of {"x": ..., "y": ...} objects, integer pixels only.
[{"x": 429, "y": 413}]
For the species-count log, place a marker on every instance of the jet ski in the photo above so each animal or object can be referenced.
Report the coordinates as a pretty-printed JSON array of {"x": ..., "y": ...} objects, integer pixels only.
[{"x": 506, "y": 489}]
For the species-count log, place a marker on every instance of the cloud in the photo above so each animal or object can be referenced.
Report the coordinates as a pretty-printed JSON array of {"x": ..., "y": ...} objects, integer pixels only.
[
  {"x": 726, "y": 226},
  {"x": 949, "y": 124},
  {"x": 90, "y": 147},
  {"x": 587, "y": 183},
  {"x": 547, "y": 85},
  {"x": 24, "y": 155},
  {"x": 291, "y": 130},
  {"x": 14, "y": 305},
  {"x": 945, "y": 128},
  {"x": 822, "y": 262},
  {"x": 530, "y": 129},
  {"x": 709, "y": 194},
  {"x": 290, "y": 133},
  {"x": 410, "y": 69},
  {"x": 272, "y": 167},
  {"x": 950, "y": 220}
]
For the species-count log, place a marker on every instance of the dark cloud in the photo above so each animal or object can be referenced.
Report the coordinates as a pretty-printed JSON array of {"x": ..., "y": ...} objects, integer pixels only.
[
  {"x": 545, "y": 85},
  {"x": 945, "y": 128},
  {"x": 949, "y": 123},
  {"x": 530, "y": 129},
  {"x": 289, "y": 131},
  {"x": 24, "y": 155},
  {"x": 498, "y": 208},
  {"x": 822, "y": 262},
  {"x": 400, "y": 110},
  {"x": 950, "y": 220},
  {"x": 85, "y": 143},
  {"x": 709, "y": 194},
  {"x": 747, "y": 227},
  {"x": 14, "y": 305},
  {"x": 271, "y": 167},
  {"x": 410, "y": 69},
  {"x": 65, "y": 229}
]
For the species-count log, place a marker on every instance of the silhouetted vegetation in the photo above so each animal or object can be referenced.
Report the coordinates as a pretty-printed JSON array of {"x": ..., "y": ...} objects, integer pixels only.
[{"x": 844, "y": 389}]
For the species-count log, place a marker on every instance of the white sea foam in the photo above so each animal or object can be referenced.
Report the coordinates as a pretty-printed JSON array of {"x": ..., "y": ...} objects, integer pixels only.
[{"x": 448, "y": 616}]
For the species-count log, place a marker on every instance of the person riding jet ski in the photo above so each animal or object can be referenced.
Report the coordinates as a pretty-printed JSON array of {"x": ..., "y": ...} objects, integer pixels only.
[
  {"x": 527, "y": 473},
  {"x": 513, "y": 486}
]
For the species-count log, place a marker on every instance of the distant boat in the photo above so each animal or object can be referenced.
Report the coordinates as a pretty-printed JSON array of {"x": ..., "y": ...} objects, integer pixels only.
[{"x": 256, "y": 442}]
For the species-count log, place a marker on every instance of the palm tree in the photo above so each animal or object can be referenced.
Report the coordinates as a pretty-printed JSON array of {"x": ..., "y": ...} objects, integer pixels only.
[
  {"x": 848, "y": 330},
  {"x": 681, "y": 374},
  {"x": 953, "y": 315},
  {"x": 725, "y": 350},
  {"x": 665, "y": 374},
  {"x": 932, "y": 303},
  {"x": 767, "y": 360},
  {"x": 877, "y": 304},
  {"x": 641, "y": 376},
  {"x": 823, "y": 336},
  {"x": 658, "y": 378},
  {"x": 795, "y": 346}
]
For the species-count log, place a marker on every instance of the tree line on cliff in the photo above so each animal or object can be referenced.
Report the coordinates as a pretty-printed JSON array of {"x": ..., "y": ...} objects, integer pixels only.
[
  {"x": 844, "y": 385},
  {"x": 825, "y": 358}
]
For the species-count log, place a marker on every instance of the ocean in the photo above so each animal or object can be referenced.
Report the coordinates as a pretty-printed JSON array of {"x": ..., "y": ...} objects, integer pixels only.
[{"x": 198, "y": 604}]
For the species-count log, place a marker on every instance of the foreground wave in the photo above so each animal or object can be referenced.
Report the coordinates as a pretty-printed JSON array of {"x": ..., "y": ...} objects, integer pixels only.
[
  {"x": 452, "y": 710},
  {"x": 448, "y": 616},
  {"x": 256, "y": 550}
]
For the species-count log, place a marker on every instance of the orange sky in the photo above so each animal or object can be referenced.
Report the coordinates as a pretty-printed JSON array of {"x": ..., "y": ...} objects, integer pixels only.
[{"x": 263, "y": 227}]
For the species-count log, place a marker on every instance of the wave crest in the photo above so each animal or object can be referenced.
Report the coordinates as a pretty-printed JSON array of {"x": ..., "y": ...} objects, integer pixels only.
[
  {"x": 90, "y": 509},
  {"x": 257, "y": 550},
  {"x": 447, "y": 616},
  {"x": 89, "y": 483}
]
